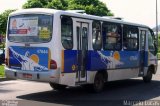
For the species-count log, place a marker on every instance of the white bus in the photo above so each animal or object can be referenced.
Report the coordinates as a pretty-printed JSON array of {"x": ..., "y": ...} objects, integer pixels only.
[{"x": 66, "y": 48}]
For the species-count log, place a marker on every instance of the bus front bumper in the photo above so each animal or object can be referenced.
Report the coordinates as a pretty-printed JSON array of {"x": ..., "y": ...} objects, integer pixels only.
[{"x": 47, "y": 76}]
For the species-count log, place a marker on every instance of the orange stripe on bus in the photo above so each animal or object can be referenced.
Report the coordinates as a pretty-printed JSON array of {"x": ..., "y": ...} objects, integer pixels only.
[{"x": 49, "y": 59}]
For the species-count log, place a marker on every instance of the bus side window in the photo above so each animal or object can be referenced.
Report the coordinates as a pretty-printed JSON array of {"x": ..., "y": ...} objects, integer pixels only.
[
  {"x": 151, "y": 46},
  {"x": 96, "y": 35},
  {"x": 67, "y": 32},
  {"x": 130, "y": 37},
  {"x": 111, "y": 36}
]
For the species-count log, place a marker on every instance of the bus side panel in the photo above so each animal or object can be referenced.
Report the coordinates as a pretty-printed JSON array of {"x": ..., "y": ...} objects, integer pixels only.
[
  {"x": 113, "y": 60},
  {"x": 98, "y": 60},
  {"x": 70, "y": 61},
  {"x": 94, "y": 61},
  {"x": 146, "y": 59}
]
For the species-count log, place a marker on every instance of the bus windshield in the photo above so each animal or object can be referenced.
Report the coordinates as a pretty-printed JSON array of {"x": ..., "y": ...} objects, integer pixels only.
[{"x": 30, "y": 28}]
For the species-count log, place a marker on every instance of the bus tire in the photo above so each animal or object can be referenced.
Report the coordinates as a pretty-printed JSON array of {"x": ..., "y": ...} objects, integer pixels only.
[
  {"x": 99, "y": 81},
  {"x": 57, "y": 86},
  {"x": 148, "y": 77}
]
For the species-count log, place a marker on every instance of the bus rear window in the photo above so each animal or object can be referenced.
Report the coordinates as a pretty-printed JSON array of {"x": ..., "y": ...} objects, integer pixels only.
[{"x": 31, "y": 28}]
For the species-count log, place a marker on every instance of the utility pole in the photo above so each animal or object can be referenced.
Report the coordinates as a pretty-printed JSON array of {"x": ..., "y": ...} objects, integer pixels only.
[
  {"x": 157, "y": 22},
  {"x": 156, "y": 18}
]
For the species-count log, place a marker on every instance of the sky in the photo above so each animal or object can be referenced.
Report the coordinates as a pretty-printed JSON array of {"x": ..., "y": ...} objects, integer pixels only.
[
  {"x": 11, "y": 4},
  {"x": 138, "y": 11}
]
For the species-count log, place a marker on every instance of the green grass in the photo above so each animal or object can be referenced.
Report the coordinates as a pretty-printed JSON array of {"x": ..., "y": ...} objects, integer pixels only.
[{"x": 2, "y": 71}]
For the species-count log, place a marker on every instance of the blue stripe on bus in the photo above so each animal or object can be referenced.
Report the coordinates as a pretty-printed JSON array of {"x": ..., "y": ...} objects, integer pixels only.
[
  {"x": 70, "y": 59},
  {"x": 146, "y": 59},
  {"x": 97, "y": 60}
]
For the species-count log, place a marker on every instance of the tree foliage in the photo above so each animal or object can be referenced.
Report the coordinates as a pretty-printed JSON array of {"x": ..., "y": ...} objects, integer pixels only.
[
  {"x": 93, "y": 7},
  {"x": 3, "y": 21},
  {"x": 58, "y": 4}
]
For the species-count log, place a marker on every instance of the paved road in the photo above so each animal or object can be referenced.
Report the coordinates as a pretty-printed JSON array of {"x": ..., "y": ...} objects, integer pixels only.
[{"x": 28, "y": 93}]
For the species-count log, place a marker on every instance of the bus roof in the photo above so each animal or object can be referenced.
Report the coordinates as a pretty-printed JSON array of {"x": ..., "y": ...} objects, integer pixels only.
[
  {"x": 74, "y": 14},
  {"x": 102, "y": 18},
  {"x": 34, "y": 10}
]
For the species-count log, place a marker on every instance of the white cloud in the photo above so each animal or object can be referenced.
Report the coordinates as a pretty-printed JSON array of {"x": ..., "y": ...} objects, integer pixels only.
[{"x": 139, "y": 11}]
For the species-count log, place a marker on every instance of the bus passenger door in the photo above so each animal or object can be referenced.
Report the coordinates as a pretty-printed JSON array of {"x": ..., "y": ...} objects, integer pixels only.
[
  {"x": 142, "y": 51},
  {"x": 82, "y": 47}
]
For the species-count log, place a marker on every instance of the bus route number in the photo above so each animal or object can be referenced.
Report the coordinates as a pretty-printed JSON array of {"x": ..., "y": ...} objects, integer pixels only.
[{"x": 40, "y": 51}]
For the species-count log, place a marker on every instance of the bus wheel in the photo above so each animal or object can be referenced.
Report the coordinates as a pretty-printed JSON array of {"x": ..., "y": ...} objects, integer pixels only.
[
  {"x": 98, "y": 82},
  {"x": 57, "y": 86},
  {"x": 148, "y": 77}
]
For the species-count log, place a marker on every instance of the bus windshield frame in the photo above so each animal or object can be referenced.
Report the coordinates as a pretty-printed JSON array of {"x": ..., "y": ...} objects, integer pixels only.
[{"x": 30, "y": 28}]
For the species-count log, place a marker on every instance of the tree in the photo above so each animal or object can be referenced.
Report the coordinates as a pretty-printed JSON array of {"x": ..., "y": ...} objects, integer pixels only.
[
  {"x": 3, "y": 21},
  {"x": 34, "y": 4},
  {"x": 58, "y": 4},
  {"x": 93, "y": 7}
]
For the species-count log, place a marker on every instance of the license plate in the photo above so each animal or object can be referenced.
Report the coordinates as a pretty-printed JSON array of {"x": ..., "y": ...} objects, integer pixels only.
[{"x": 25, "y": 75}]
